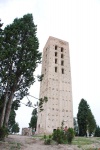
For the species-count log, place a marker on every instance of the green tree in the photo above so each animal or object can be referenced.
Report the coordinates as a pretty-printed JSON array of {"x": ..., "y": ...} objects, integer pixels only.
[
  {"x": 15, "y": 128},
  {"x": 85, "y": 119},
  {"x": 91, "y": 122},
  {"x": 12, "y": 116},
  {"x": 33, "y": 121},
  {"x": 82, "y": 117},
  {"x": 19, "y": 56},
  {"x": 11, "y": 121},
  {"x": 97, "y": 131}
]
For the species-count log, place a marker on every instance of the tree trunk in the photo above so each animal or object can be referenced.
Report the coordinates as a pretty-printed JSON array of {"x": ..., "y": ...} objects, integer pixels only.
[
  {"x": 4, "y": 109},
  {"x": 8, "y": 109}
]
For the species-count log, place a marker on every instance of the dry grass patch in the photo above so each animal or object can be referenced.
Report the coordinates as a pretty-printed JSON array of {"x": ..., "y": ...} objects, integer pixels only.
[{"x": 91, "y": 143}]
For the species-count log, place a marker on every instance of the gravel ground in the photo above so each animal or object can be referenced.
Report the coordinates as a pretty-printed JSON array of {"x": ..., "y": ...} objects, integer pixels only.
[
  {"x": 19, "y": 142},
  {"x": 15, "y": 142}
]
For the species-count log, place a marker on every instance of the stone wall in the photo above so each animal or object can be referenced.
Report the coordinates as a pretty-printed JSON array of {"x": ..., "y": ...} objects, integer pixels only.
[{"x": 27, "y": 131}]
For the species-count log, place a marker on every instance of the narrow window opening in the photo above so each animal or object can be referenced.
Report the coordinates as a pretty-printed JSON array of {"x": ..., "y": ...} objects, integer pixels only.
[
  {"x": 55, "y": 47},
  {"x": 55, "y": 69},
  {"x": 62, "y": 63},
  {"x": 62, "y": 49},
  {"x": 62, "y": 71},
  {"x": 55, "y": 61},
  {"x": 55, "y": 53},
  {"x": 62, "y": 56}
]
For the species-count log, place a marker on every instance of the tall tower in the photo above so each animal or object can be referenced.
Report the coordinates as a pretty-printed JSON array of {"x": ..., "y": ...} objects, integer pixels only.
[{"x": 56, "y": 85}]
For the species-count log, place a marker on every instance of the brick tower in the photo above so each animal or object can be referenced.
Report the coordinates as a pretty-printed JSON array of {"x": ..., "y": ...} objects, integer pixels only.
[{"x": 56, "y": 85}]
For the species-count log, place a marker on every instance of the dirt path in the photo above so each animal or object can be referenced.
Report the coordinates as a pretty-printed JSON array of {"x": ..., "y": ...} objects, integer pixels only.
[{"x": 18, "y": 142}]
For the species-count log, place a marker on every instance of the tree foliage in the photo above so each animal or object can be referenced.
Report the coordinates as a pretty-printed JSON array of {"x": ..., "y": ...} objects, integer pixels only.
[
  {"x": 85, "y": 119},
  {"x": 11, "y": 121},
  {"x": 33, "y": 121},
  {"x": 91, "y": 123},
  {"x": 97, "y": 131},
  {"x": 19, "y": 56},
  {"x": 15, "y": 128},
  {"x": 12, "y": 116},
  {"x": 1, "y": 24}
]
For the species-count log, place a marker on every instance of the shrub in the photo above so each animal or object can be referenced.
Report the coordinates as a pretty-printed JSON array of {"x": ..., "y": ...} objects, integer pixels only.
[
  {"x": 47, "y": 140},
  {"x": 59, "y": 136},
  {"x": 70, "y": 135},
  {"x": 3, "y": 133}
]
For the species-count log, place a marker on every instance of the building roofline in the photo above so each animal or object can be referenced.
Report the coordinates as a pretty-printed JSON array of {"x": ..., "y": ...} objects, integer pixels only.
[
  {"x": 54, "y": 38},
  {"x": 51, "y": 37}
]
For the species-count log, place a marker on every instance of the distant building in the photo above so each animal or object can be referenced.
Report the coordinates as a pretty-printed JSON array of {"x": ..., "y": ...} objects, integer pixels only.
[
  {"x": 27, "y": 131},
  {"x": 56, "y": 85}
]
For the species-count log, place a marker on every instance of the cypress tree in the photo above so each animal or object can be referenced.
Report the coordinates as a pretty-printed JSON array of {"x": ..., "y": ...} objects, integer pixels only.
[{"x": 85, "y": 119}]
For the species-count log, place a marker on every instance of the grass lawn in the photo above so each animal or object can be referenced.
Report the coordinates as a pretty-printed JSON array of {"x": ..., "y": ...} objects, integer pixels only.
[{"x": 91, "y": 143}]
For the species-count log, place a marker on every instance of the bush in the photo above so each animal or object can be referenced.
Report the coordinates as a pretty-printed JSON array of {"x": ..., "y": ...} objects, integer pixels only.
[
  {"x": 59, "y": 136},
  {"x": 47, "y": 140},
  {"x": 70, "y": 135},
  {"x": 3, "y": 133}
]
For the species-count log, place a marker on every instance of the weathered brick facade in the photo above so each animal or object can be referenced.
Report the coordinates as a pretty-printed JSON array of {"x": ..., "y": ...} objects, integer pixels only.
[
  {"x": 56, "y": 85},
  {"x": 27, "y": 131}
]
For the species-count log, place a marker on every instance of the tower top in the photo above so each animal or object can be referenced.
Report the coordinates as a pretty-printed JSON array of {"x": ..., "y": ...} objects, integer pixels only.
[
  {"x": 62, "y": 42},
  {"x": 54, "y": 38}
]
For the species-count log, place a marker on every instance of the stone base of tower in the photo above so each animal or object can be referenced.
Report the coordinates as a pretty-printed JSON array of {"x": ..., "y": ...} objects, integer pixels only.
[{"x": 41, "y": 130}]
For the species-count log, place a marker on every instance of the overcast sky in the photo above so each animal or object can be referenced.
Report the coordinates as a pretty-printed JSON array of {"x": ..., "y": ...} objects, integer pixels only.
[{"x": 75, "y": 21}]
